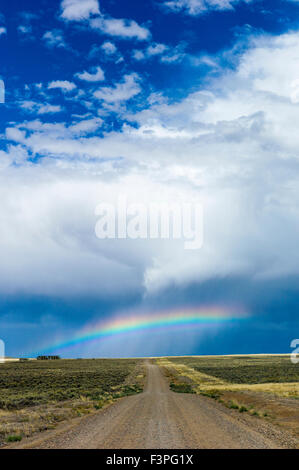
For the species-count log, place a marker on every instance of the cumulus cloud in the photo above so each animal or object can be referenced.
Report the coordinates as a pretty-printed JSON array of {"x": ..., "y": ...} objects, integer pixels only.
[
  {"x": 57, "y": 131},
  {"x": 154, "y": 49},
  {"x": 3, "y": 30},
  {"x": 77, "y": 10},
  {"x": 25, "y": 29},
  {"x": 80, "y": 10},
  {"x": 138, "y": 54},
  {"x": 121, "y": 28},
  {"x": 40, "y": 108},
  {"x": 54, "y": 263},
  {"x": 15, "y": 155},
  {"x": 55, "y": 219},
  {"x": 48, "y": 109},
  {"x": 199, "y": 7},
  {"x": 107, "y": 52},
  {"x": 109, "y": 48},
  {"x": 166, "y": 54},
  {"x": 86, "y": 126},
  {"x": 14, "y": 134},
  {"x": 54, "y": 39},
  {"x": 63, "y": 85},
  {"x": 97, "y": 75},
  {"x": 232, "y": 145},
  {"x": 122, "y": 91}
]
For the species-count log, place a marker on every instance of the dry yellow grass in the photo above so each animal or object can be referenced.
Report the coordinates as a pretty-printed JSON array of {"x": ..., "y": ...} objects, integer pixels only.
[
  {"x": 204, "y": 383},
  {"x": 275, "y": 401}
]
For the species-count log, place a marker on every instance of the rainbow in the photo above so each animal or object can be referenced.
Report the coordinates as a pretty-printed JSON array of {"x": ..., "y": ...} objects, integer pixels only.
[{"x": 150, "y": 321}]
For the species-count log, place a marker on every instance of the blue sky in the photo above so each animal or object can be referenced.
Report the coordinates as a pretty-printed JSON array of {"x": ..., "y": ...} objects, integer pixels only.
[{"x": 191, "y": 98}]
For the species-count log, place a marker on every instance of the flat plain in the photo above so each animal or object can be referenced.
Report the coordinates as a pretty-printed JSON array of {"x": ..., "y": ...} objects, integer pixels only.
[
  {"x": 183, "y": 402},
  {"x": 36, "y": 396},
  {"x": 263, "y": 386}
]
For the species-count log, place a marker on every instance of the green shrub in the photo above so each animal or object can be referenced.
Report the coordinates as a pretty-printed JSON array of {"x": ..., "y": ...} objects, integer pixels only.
[
  {"x": 243, "y": 409},
  {"x": 181, "y": 388},
  {"x": 211, "y": 394},
  {"x": 232, "y": 405},
  {"x": 14, "y": 438}
]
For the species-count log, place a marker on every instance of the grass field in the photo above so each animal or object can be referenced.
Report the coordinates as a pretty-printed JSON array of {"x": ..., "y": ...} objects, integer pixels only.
[
  {"x": 37, "y": 395},
  {"x": 244, "y": 369},
  {"x": 264, "y": 386}
]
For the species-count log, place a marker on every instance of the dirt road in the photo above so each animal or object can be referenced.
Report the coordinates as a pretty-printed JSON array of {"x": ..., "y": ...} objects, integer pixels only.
[{"x": 159, "y": 418}]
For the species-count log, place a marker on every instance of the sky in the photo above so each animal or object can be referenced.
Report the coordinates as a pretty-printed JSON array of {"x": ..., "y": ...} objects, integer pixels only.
[{"x": 178, "y": 100}]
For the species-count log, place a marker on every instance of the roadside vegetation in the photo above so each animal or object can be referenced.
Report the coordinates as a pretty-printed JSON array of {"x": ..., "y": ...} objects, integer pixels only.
[
  {"x": 35, "y": 396},
  {"x": 245, "y": 369},
  {"x": 262, "y": 386}
]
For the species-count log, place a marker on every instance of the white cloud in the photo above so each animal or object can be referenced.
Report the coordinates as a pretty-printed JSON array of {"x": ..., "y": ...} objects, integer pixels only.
[
  {"x": 109, "y": 48},
  {"x": 151, "y": 51},
  {"x": 26, "y": 104},
  {"x": 122, "y": 28},
  {"x": 86, "y": 126},
  {"x": 233, "y": 145},
  {"x": 97, "y": 75},
  {"x": 165, "y": 53},
  {"x": 138, "y": 55},
  {"x": 13, "y": 133},
  {"x": 49, "y": 239},
  {"x": 25, "y": 29},
  {"x": 57, "y": 130},
  {"x": 156, "y": 49},
  {"x": 63, "y": 85},
  {"x": 49, "y": 109},
  {"x": 40, "y": 108},
  {"x": 199, "y": 7},
  {"x": 122, "y": 91},
  {"x": 176, "y": 54},
  {"x": 77, "y": 10},
  {"x": 28, "y": 16},
  {"x": 54, "y": 39},
  {"x": 3, "y": 30},
  {"x": 107, "y": 52},
  {"x": 15, "y": 155}
]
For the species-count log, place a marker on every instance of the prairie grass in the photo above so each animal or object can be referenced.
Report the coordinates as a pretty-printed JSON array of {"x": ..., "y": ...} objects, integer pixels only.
[
  {"x": 36, "y": 396},
  {"x": 257, "y": 372},
  {"x": 264, "y": 386}
]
